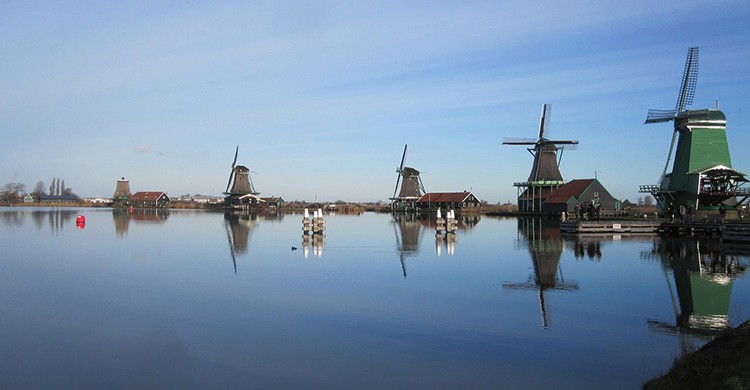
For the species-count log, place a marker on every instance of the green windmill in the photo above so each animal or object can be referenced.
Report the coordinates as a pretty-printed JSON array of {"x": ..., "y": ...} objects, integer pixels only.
[{"x": 702, "y": 176}]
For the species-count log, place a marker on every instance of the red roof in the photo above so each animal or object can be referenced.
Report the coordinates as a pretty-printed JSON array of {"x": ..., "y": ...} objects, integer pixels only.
[
  {"x": 146, "y": 196},
  {"x": 573, "y": 188},
  {"x": 444, "y": 197}
]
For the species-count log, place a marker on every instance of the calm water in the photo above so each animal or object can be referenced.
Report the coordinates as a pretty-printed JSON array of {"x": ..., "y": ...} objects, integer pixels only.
[{"x": 190, "y": 299}]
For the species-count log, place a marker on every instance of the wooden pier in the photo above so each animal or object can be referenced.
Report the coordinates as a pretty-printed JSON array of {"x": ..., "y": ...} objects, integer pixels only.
[
  {"x": 609, "y": 227},
  {"x": 739, "y": 232},
  {"x": 728, "y": 231}
]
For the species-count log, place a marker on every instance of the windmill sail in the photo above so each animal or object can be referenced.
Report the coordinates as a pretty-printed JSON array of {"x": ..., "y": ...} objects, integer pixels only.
[
  {"x": 687, "y": 91},
  {"x": 408, "y": 178},
  {"x": 239, "y": 179},
  {"x": 684, "y": 98},
  {"x": 546, "y": 162}
]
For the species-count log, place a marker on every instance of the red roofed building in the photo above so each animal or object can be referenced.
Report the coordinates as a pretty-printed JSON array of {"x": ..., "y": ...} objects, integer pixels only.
[
  {"x": 582, "y": 191},
  {"x": 448, "y": 200},
  {"x": 149, "y": 199}
]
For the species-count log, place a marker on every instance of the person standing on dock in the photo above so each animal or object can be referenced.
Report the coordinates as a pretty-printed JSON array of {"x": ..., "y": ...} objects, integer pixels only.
[
  {"x": 598, "y": 211},
  {"x": 578, "y": 211},
  {"x": 670, "y": 211},
  {"x": 722, "y": 212},
  {"x": 690, "y": 214},
  {"x": 682, "y": 213}
]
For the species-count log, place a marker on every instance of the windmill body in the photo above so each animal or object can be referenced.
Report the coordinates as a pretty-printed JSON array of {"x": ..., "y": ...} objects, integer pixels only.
[
  {"x": 242, "y": 193},
  {"x": 545, "y": 176},
  {"x": 702, "y": 177},
  {"x": 411, "y": 188}
]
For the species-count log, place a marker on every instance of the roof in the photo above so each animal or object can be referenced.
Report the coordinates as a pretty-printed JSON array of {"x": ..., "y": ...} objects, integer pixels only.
[
  {"x": 445, "y": 197},
  {"x": 147, "y": 196},
  {"x": 573, "y": 188}
]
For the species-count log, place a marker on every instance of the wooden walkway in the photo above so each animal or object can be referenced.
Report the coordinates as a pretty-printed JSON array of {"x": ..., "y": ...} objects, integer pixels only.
[
  {"x": 610, "y": 227},
  {"x": 729, "y": 231}
]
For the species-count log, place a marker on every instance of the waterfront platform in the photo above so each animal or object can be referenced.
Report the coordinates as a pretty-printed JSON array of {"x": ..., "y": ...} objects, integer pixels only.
[
  {"x": 728, "y": 231},
  {"x": 609, "y": 227}
]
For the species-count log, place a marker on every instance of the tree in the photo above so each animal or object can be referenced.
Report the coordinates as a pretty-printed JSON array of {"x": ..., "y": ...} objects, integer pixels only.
[
  {"x": 648, "y": 201},
  {"x": 39, "y": 188},
  {"x": 12, "y": 192}
]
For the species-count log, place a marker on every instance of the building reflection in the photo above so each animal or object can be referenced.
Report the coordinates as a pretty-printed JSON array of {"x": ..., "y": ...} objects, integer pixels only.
[
  {"x": 703, "y": 271},
  {"x": 239, "y": 228},
  {"x": 122, "y": 217},
  {"x": 545, "y": 245}
]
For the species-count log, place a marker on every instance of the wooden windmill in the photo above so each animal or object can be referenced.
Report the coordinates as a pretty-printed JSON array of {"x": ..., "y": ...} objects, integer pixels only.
[
  {"x": 411, "y": 186},
  {"x": 242, "y": 189},
  {"x": 702, "y": 176},
  {"x": 545, "y": 172}
]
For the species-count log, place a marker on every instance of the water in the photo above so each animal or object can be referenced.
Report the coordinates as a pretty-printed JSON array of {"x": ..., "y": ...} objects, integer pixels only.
[{"x": 189, "y": 299}]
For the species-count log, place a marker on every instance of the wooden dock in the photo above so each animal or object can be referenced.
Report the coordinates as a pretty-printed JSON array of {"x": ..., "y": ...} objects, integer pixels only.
[
  {"x": 728, "y": 231},
  {"x": 685, "y": 228},
  {"x": 609, "y": 227},
  {"x": 739, "y": 232}
]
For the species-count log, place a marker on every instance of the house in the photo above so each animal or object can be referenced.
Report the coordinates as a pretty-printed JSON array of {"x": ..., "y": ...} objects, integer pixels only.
[
  {"x": 448, "y": 200},
  {"x": 149, "y": 199},
  {"x": 581, "y": 191},
  {"x": 272, "y": 202}
]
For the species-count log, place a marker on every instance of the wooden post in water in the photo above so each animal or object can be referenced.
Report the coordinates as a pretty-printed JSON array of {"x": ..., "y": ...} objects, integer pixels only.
[
  {"x": 439, "y": 223},
  {"x": 451, "y": 225},
  {"x": 312, "y": 233}
]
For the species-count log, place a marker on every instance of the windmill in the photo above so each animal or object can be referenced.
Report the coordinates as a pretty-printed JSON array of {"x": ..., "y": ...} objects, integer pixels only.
[
  {"x": 702, "y": 176},
  {"x": 411, "y": 186},
  {"x": 545, "y": 172},
  {"x": 242, "y": 187}
]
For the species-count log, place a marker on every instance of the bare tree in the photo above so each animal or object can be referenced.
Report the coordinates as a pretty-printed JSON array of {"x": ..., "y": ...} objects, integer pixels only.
[
  {"x": 12, "y": 192},
  {"x": 648, "y": 200},
  {"x": 52, "y": 187}
]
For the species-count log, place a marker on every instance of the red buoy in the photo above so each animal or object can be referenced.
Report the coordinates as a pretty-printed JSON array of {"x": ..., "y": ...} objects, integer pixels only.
[{"x": 80, "y": 222}]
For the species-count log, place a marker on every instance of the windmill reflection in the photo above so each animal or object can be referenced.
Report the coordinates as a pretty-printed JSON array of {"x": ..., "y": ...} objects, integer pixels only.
[
  {"x": 408, "y": 229},
  {"x": 545, "y": 246},
  {"x": 239, "y": 229},
  {"x": 122, "y": 217},
  {"x": 703, "y": 272}
]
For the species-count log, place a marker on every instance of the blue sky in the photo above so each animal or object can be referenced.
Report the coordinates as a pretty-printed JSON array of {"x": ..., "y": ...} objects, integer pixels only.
[{"x": 322, "y": 96}]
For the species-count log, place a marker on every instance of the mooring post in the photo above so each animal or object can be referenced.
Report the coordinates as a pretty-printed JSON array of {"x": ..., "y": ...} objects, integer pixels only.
[{"x": 439, "y": 223}]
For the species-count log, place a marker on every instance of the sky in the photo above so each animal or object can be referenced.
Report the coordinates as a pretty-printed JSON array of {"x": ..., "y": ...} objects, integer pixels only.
[{"x": 321, "y": 97}]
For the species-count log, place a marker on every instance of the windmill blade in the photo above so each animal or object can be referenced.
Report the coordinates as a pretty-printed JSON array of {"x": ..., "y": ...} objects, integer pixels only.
[
  {"x": 403, "y": 157},
  {"x": 229, "y": 183},
  {"x": 544, "y": 121},
  {"x": 399, "y": 170},
  {"x": 519, "y": 141},
  {"x": 398, "y": 179},
  {"x": 669, "y": 157},
  {"x": 656, "y": 116},
  {"x": 689, "y": 80},
  {"x": 231, "y": 173}
]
